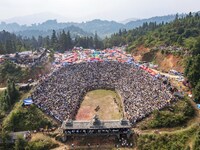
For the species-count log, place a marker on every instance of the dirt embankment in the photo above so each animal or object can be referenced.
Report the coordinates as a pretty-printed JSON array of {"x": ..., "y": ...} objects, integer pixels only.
[
  {"x": 165, "y": 62},
  {"x": 139, "y": 52}
]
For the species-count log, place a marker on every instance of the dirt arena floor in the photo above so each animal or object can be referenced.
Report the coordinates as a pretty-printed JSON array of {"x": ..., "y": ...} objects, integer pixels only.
[{"x": 104, "y": 103}]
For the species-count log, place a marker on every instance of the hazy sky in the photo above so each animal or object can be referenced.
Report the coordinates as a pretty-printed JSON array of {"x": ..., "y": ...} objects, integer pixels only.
[{"x": 82, "y": 10}]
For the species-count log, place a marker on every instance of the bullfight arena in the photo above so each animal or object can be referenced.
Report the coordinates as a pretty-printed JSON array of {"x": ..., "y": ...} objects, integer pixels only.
[{"x": 61, "y": 95}]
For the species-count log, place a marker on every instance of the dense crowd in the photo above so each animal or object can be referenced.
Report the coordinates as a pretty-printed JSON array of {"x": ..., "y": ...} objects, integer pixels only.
[
  {"x": 61, "y": 94},
  {"x": 95, "y": 131}
]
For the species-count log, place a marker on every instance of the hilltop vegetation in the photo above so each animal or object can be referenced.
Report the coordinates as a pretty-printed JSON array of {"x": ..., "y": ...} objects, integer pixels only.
[
  {"x": 177, "y": 140},
  {"x": 30, "y": 119},
  {"x": 9, "y": 70},
  {"x": 192, "y": 70},
  {"x": 8, "y": 97},
  {"x": 181, "y": 32}
]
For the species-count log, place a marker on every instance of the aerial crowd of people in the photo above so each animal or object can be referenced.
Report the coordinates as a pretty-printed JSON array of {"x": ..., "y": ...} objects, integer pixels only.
[{"x": 61, "y": 93}]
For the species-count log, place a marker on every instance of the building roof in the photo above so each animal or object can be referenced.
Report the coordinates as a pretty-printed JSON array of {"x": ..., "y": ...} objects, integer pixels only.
[{"x": 95, "y": 123}]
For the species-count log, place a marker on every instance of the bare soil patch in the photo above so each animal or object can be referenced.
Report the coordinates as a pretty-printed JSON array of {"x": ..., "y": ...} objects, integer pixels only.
[{"x": 104, "y": 103}]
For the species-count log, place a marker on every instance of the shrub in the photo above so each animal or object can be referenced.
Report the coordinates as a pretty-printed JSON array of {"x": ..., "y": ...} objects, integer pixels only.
[
  {"x": 197, "y": 141},
  {"x": 182, "y": 111},
  {"x": 41, "y": 144},
  {"x": 172, "y": 141}
]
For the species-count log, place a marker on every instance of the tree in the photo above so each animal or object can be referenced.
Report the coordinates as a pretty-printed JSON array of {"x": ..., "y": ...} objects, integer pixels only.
[
  {"x": 196, "y": 47},
  {"x": 98, "y": 44},
  {"x": 197, "y": 141},
  {"x": 40, "y": 41},
  {"x": 176, "y": 17},
  {"x": 120, "y": 32},
  {"x": 90, "y": 42},
  {"x": 2, "y": 50},
  {"x": 193, "y": 74},
  {"x": 187, "y": 66},
  {"x": 69, "y": 40},
  {"x": 196, "y": 92},
  {"x": 5, "y": 137},
  {"x": 9, "y": 46},
  {"x": 10, "y": 91},
  {"x": 34, "y": 42},
  {"x": 20, "y": 143},
  {"x": 47, "y": 42},
  {"x": 180, "y": 40},
  {"x": 187, "y": 33},
  {"x": 63, "y": 41},
  {"x": 180, "y": 30},
  {"x": 11, "y": 94},
  {"x": 96, "y": 41},
  {"x": 54, "y": 40},
  {"x": 5, "y": 101}
]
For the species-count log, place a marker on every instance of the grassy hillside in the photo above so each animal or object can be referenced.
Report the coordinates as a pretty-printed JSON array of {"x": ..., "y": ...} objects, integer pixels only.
[
  {"x": 25, "y": 118},
  {"x": 176, "y": 115}
]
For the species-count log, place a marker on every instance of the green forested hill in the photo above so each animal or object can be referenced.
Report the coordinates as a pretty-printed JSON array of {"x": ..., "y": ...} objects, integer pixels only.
[{"x": 181, "y": 32}]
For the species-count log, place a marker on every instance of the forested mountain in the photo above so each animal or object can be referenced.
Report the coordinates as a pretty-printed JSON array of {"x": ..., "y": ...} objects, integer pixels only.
[
  {"x": 158, "y": 20},
  {"x": 43, "y": 29},
  {"x": 75, "y": 31},
  {"x": 102, "y": 27},
  {"x": 83, "y": 29}
]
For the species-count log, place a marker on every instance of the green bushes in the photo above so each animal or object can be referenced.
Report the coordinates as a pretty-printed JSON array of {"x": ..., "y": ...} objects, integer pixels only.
[
  {"x": 9, "y": 70},
  {"x": 166, "y": 119},
  {"x": 8, "y": 97},
  {"x": 20, "y": 143},
  {"x": 170, "y": 141},
  {"x": 23, "y": 119},
  {"x": 39, "y": 144},
  {"x": 192, "y": 71},
  {"x": 174, "y": 116},
  {"x": 42, "y": 143},
  {"x": 196, "y": 145}
]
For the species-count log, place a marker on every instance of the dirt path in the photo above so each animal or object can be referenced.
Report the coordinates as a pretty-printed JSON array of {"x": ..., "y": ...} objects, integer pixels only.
[{"x": 166, "y": 74}]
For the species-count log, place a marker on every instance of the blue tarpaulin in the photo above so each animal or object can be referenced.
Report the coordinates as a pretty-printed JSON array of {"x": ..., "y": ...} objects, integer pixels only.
[
  {"x": 198, "y": 106},
  {"x": 27, "y": 101}
]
